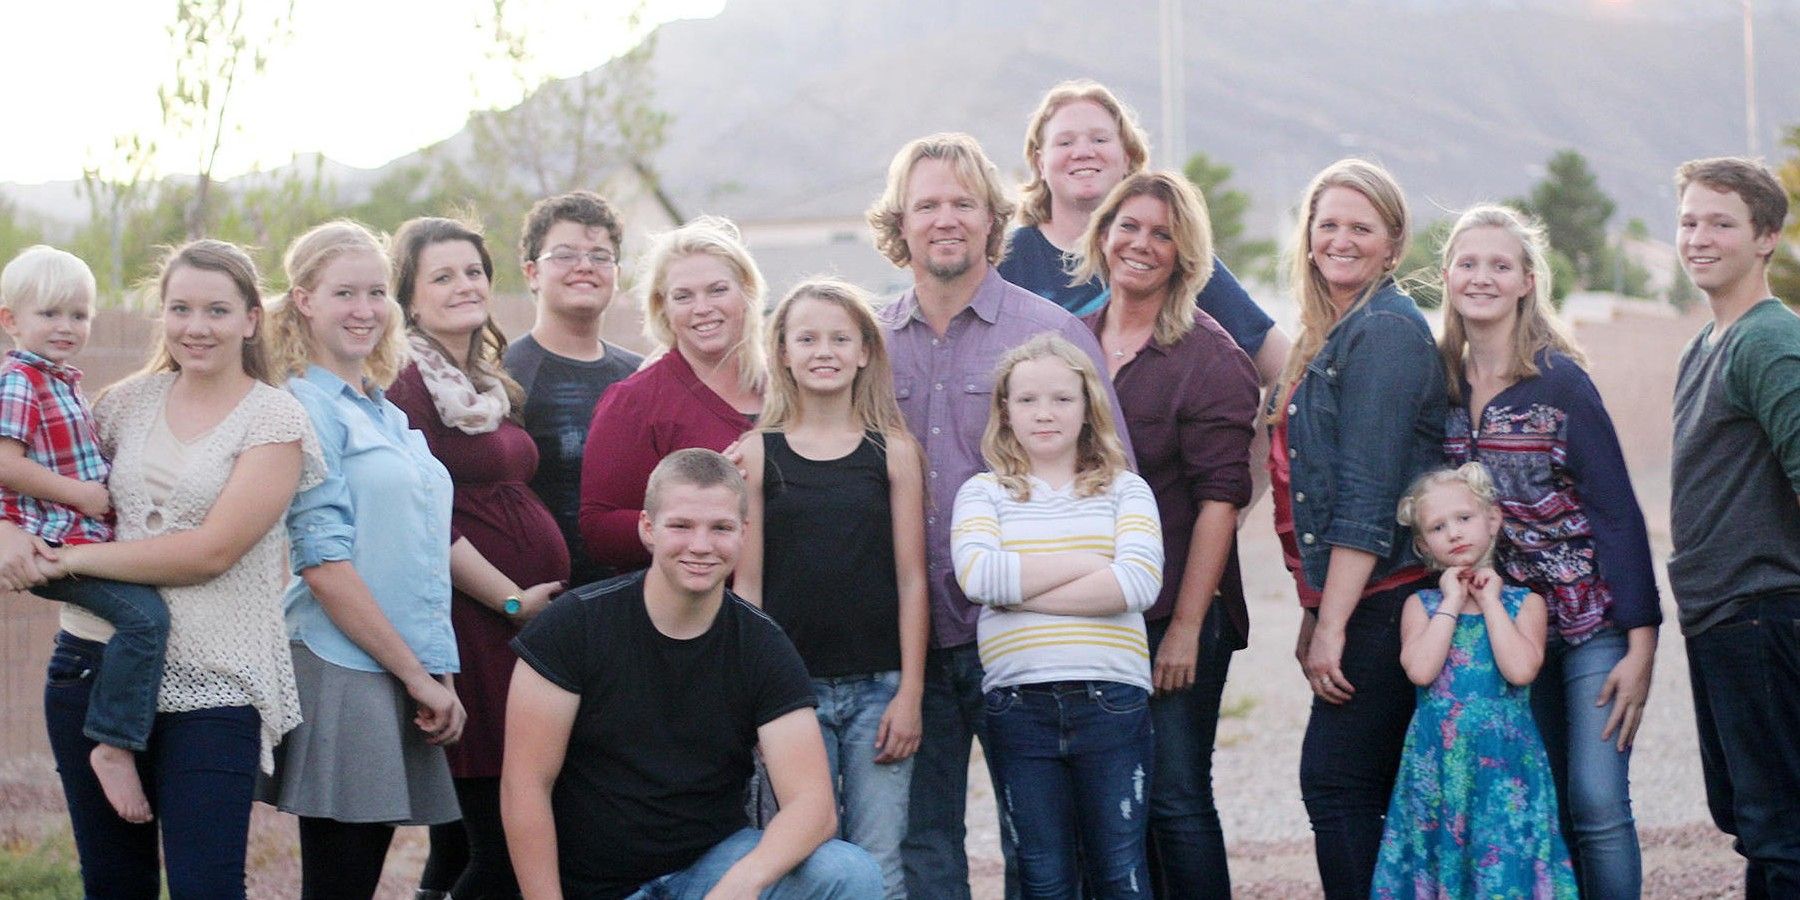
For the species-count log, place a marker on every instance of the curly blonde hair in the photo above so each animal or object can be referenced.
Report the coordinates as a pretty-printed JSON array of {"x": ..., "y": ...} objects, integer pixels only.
[
  {"x": 290, "y": 333},
  {"x": 1472, "y": 475}
]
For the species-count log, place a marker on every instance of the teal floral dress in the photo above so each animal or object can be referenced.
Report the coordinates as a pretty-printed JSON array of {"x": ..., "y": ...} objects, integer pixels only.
[{"x": 1474, "y": 808}]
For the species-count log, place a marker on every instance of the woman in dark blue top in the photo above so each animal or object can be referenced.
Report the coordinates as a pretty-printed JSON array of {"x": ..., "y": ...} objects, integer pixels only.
[{"x": 1573, "y": 531}]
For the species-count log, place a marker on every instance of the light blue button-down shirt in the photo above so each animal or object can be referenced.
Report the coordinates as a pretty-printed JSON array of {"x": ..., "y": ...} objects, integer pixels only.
[{"x": 385, "y": 507}]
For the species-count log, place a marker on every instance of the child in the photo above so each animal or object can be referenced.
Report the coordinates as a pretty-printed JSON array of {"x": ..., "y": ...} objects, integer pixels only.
[
  {"x": 835, "y": 550},
  {"x": 1062, "y": 546},
  {"x": 1474, "y": 808},
  {"x": 53, "y": 485}
]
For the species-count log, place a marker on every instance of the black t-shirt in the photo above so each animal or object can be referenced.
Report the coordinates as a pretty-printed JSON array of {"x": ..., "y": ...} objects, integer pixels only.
[
  {"x": 560, "y": 396},
  {"x": 660, "y": 750}
]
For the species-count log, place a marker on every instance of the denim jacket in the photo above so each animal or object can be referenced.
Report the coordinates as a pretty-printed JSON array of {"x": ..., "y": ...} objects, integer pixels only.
[{"x": 1366, "y": 419}]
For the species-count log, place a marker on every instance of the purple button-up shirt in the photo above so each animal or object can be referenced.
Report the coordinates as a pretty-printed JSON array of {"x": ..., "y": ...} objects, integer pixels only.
[{"x": 945, "y": 385}]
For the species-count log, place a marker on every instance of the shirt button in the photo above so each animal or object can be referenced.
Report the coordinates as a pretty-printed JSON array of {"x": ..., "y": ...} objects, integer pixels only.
[
  {"x": 1292, "y": 409},
  {"x": 1331, "y": 370},
  {"x": 936, "y": 430},
  {"x": 1293, "y": 454},
  {"x": 1299, "y": 496},
  {"x": 1307, "y": 538},
  {"x": 931, "y": 520},
  {"x": 934, "y": 473},
  {"x": 938, "y": 387},
  {"x": 971, "y": 387}
]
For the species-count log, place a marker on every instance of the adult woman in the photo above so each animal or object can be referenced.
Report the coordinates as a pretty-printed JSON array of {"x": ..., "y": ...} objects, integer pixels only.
[
  {"x": 1080, "y": 143},
  {"x": 1189, "y": 395},
  {"x": 206, "y": 455},
  {"x": 1573, "y": 532},
  {"x": 1357, "y": 415},
  {"x": 703, "y": 305},
  {"x": 456, "y": 393}
]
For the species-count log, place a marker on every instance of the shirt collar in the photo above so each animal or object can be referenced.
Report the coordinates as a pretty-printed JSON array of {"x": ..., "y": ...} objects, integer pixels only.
[
  {"x": 330, "y": 383},
  {"x": 985, "y": 304},
  {"x": 62, "y": 371}
]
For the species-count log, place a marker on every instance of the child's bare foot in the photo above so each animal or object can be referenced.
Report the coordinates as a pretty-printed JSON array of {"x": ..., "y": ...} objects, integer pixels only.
[{"x": 116, "y": 767}]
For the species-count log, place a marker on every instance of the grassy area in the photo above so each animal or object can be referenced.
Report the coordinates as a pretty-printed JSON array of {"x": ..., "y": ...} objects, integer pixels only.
[{"x": 42, "y": 871}]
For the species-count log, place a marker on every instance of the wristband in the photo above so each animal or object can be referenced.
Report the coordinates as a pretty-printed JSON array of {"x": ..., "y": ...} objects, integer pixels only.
[
  {"x": 1443, "y": 613},
  {"x": 512, "y": 605}
]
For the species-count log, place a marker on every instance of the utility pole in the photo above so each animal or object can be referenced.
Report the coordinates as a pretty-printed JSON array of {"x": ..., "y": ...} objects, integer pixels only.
[{"x": 1174, "y": 137}]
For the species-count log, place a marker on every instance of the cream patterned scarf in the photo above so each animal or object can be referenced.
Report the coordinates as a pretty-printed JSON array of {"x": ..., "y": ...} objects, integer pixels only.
[{"x": 459, "y": 403}]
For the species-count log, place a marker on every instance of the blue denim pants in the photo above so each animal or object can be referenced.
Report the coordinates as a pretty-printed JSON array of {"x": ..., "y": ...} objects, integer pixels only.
[
  {"x": 1075, "y": 761},
  {"x": 1351, "y": 752},
  {"x": 937, "y": 867},
  {"x": 123, "y": 700},
  {"x": 1187, "y": 844},
  {"x": 199, "y": 771},
  {"x": 836, "y": 871},
  {"x": 1593, "y": 781},
  {"x": 872, "y": 797},
  {"x": 1745, "y": 672}
]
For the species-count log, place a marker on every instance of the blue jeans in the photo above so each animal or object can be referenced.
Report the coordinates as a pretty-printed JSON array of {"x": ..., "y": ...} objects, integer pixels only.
[
  {"x": 872, "y": 798},
  {"x": 1351, "y": 752},
  {"x": 199, "y": 771},
  {"x": 1075, "y": 760},
  {"x": 937, "y": 868},
  {"x": 1592, "y": 776},
  {"x": 124, "y": 690},
  {"x": 1187, "y": 845},
  {"x": 1747, "y": 711},
  {"x": 835, "y": 871}
]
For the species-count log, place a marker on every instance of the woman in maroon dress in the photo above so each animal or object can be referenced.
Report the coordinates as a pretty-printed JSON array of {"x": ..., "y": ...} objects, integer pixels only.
[{"x": 456, "y": 392}]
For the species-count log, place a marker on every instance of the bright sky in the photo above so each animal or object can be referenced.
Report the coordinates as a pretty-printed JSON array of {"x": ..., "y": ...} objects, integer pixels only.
[{"x": 361, "y": 81}]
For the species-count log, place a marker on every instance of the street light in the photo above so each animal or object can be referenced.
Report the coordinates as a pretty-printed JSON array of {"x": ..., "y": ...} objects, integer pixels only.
[{"x": 1750, "y": 77}]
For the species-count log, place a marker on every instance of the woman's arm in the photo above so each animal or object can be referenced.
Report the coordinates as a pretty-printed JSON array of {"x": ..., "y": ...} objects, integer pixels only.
[
  {"x": 1345, "y": 577},
  {"x": 1207, "y": 553},
  {"x": 1627, "y": 687},
  {"x": 252, "y": 502},
  {"x": 901, "y": 726},
  {"x": 747, "y": 578},
  {"x": 471, "y": 573},
  {"x": 1603, "y": 483},
  {"x": 615, "y": 466}
]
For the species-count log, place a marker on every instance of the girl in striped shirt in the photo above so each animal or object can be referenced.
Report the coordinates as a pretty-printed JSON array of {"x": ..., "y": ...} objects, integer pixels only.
[{"x": 1061, "y": 545}]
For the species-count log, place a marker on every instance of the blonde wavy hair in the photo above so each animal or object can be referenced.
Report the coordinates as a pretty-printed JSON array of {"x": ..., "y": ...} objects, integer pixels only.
[
  {"x": 1472, "y": 475},
  {"x": 872, "y": 402},
  {"x": 290, "y": 332},
  {"x": 717, "y": 237},
  {"x": 973, "y": 170},
  {"x": 1099, "y": 455},
  {"x": 1318, "y": 315},
  {"x": 1189, "y": 225},
  {"x": 1034, "y": 194},
  {"x": 1536, "y": 327}
]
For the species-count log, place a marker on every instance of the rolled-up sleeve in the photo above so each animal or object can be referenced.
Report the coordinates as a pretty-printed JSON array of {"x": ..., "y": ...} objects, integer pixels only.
[
  {"x": 1137, "y": 543},
  {"x": 322, "y": 521},
  {"x": 1218, "y": 422},
  {"x": 988, "y": 575}
]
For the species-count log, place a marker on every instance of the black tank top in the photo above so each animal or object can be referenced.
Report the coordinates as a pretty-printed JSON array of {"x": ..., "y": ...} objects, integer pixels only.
[{"x": 828, "y": 557}]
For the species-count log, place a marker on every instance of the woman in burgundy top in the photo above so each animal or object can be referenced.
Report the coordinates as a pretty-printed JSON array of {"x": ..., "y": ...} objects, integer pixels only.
[
  {"x": 456, "y": 392},
  {"x": 703, "y": 305},
  {"x": 1189, "y": 397}
]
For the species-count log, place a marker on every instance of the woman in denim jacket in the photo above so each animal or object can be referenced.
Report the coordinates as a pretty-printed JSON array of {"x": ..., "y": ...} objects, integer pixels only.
[{"x": 1359, "y": 412}]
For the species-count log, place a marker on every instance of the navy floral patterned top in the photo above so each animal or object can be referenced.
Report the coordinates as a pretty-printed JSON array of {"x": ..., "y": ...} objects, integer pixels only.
[{"x": 1573, "y": 532}]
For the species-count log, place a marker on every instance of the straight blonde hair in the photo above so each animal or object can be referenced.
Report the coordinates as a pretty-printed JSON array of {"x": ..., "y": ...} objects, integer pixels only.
[
  {"x": 872, "y": 400},
  {"x": 717, "y": 237},
  {"x": 1099, "y": 455},
  {"x": 1536, "y": 326}
]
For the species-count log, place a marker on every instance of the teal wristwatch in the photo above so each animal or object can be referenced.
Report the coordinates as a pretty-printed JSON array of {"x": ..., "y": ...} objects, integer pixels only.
[{"x": 512, "y": 605}]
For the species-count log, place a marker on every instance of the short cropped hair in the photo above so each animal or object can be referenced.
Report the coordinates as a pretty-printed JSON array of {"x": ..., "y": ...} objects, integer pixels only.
[
  {"x": 694, "y": 467},
  {"x": 43, "y": 277},
  {"x": 973, "y": 169},
  {"x": 1747, "y": 178},
  {"x": 581, "y": 207}
]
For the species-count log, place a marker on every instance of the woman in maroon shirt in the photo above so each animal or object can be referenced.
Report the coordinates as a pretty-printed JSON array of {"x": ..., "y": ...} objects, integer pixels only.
[
  {"x": 456, "y": 392},
  {"x": 703, "y": 305},
  {"x": 1189, "y": 397}
]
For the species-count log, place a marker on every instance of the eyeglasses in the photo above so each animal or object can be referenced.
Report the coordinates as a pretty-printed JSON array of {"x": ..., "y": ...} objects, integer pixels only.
[{"x": 563, "y": 256}]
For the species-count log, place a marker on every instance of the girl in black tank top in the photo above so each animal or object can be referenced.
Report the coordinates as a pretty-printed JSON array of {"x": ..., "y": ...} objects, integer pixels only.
[{"x": 835, "y": 550}]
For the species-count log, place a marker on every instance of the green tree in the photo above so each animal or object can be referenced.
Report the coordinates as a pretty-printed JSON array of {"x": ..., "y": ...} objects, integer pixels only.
[
  {"x": 1421, "y": 270},
  {"x": 1226, "y": 207},
  {"x": 1574, "y": 211},
  {"x": 267, "y": 212},
  {"x": 1784, "y": 269},
  {"x": 18, "y": 229},
  {"x": 117, "y": 191}
]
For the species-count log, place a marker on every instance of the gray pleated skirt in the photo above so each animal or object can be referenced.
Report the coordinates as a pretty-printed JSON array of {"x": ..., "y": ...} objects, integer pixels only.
[{"x": 357, "y": 756}]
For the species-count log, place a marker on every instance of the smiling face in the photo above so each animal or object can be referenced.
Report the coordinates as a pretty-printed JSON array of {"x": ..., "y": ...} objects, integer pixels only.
[
  {"x": 1487, "y": 280},
  {"x": 946, "y": 225},
  {"x": 1348, "y": 242},
  {"x": 450, "y": 297},
  {"x": 823, "y": 346},
  {"x": 347, "y": 311},
  {"x": 705, "y": 307},
  {"x": 1046, "y": 408},
  {"x": 579, "y": 288},
  {"x": 205, "y": 322},
  {"x": 1140, "y": 249},
  {"x": 56, "y": 332},
  {"x": 695, "y": 536},
  {"x": 1454, "y": 527},
  {"x": 1718, "y": 246},
  {"x": 1082, "y": 157}
]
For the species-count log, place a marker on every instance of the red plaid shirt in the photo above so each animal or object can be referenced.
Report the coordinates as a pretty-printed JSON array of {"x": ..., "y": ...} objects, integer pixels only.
[{"x": 41, "y": 407}]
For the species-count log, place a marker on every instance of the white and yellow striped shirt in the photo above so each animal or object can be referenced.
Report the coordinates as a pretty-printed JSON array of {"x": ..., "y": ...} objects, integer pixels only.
[{"x": 992, "y": 536}]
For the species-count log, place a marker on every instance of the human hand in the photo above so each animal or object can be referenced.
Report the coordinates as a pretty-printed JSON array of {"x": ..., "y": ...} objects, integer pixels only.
[
  {"x": 1325, "y": 664},
  {"x": 19, "y": 552},
  {"x": 1177, "y": 657},
  {"x": 534, "y": 599},
  {"x": 92, "y": 499},
  {"x": 1485, "y": 584},
  {"x": 1454, "y": 584},
  {"x": 440, "y": 714},
  {"x": 1304, "y": 640},
  {"x": 734, "y": 453},
  {"x": 1627, "y": 688},
  {"x": 735, "y": 885},
  {"x": 902, "y": 727}
]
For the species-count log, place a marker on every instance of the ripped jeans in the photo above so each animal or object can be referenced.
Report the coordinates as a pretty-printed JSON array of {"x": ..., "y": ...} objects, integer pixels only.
[{"x": 1074, "y": 761}]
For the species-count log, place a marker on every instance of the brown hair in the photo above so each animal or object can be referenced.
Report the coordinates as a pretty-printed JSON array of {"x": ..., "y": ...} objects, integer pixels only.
[
  {"x": 1747, "y": 178},
  {"x": 581, "y": 207},
  {"x": 483, "y": 362},
  {"x": 1034, "y": 195},
  {"x": 229, "y": 260},
  {"x": 973, "y": 169}
]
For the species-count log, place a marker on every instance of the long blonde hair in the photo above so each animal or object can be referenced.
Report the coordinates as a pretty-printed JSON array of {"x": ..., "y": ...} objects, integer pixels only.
[
  {"x": 1536, "y": 327},
  {"x": 717, "y": 237},
  {"x": 1189, "y": 225},
  {"x": 872, "y": 402},
  {"x": 1099, "y": 455},
  {"x": 290, "y": 332},
  {"x": 1472, "y": 475},
  {"x": 229, "y": 260},
  {"x": 1318, "y": 315},
  {"x": 1034, "y": 194}
]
